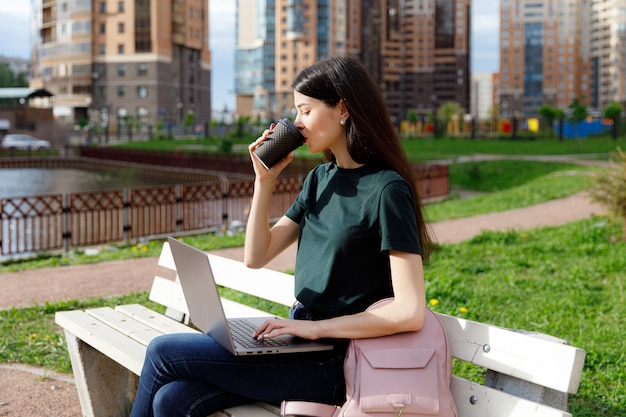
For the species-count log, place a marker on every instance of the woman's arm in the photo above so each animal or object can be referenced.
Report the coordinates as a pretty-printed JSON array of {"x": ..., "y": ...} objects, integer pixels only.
[
  {"x": 405, "y": 313},
  {"x": 262, "y": 244}
]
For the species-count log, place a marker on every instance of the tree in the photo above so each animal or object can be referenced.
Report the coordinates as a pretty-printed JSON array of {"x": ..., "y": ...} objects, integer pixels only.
[
  {"x": 549, "y": 115},
  {"x": 9, "y": 79},
  {"x": 412, "y": 118},
  {"x": 610, "y": 187},
  {"x": 189, "y": 121},
  {"x": 446, "y": 112},
  {"x": 6, "y": 76},
  {"x": 613, "y": 111}
]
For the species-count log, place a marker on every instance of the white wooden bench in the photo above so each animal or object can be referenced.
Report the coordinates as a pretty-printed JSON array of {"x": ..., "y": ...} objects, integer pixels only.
[{"x": 527, "y": 375}]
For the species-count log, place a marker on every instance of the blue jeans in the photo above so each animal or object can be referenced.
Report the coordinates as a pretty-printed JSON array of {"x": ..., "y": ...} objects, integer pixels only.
[{"x": 193, "y": 375}]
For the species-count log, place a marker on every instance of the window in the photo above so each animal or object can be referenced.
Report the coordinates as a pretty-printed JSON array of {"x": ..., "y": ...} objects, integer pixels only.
[
  {"x": 120, "y": 49},
  {"x": 121, "y": 91},
  {"x": 103, "y": 7},
  {"x": 142, "y": 69},
  {"x": 142, "y": 91},
  {"x": 120, "y": 28},
  {"x": 143, "y": 35},
  {"x": 120, "y": 6},
  {"x": 102, "y": 28},
  {"x": 101, "y": 49},
  {"x": 121, "y": 70}
]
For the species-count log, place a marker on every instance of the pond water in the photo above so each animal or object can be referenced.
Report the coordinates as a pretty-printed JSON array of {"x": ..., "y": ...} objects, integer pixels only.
[{"x": 21, "y": 182}]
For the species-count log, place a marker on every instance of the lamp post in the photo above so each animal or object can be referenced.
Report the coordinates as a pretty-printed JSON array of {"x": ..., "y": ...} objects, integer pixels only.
[
  {"x": 433, "y": 103},
  {"x": 180, "y": 106},
  {"x": 104, "y": 122}
]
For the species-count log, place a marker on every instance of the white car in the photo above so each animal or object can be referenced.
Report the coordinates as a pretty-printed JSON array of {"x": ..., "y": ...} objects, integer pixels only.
[{"x": 15, "y": 141}]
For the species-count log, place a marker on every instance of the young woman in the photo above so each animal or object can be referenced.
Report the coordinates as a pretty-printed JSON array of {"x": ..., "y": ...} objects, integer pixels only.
[{"x": 361, "y": 237}]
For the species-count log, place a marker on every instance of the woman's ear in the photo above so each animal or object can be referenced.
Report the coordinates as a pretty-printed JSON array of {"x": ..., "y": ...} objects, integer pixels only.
[{"x": 343, "y": 110}]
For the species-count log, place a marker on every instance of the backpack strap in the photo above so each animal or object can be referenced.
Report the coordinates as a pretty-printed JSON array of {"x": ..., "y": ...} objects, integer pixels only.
[{"x": 308, "y": 409}]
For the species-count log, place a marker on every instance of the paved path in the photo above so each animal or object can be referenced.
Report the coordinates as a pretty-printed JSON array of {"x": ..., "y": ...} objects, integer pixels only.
[{"x": 135, "y": 275}]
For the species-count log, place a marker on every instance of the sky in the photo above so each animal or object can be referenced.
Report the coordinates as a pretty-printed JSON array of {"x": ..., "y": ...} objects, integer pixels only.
[{"x": 15, "y": 40}]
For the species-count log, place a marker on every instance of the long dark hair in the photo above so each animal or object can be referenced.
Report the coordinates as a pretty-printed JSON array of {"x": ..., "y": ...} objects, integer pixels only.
[{"x": 370, "y": 134}]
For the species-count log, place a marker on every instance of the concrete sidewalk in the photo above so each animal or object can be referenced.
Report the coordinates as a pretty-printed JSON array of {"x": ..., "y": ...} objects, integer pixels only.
[{"x": 32, "y": 287}]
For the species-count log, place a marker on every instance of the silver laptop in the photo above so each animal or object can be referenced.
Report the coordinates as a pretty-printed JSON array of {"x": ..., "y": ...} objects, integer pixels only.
[{"x": 206, "y": 311}]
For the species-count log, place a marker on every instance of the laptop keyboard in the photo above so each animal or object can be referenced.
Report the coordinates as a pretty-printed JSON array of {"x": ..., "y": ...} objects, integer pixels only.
[{"x": 242, "y": 332}]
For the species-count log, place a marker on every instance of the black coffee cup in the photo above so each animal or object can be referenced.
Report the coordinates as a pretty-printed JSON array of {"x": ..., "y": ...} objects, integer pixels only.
[{"x": 284, "y": 138}]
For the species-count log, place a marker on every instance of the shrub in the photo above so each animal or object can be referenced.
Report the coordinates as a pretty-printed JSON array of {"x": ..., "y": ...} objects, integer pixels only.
[{"x": 610, "y": 186}]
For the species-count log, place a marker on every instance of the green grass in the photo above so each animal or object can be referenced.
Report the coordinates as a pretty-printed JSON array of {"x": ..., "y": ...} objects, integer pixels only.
[
  {"x": 185, "y": 145},
  {"x": 113, "y": 252},
  {"x": 30, "y": 336},
  {"x": 566, "y": 281},
  {"x": 510, "y": 185},
  {"x": 428, "y": 149}
]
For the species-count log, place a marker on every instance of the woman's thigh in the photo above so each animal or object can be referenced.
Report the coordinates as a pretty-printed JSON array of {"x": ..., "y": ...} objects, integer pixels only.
[{"x": 198, "y": 357}]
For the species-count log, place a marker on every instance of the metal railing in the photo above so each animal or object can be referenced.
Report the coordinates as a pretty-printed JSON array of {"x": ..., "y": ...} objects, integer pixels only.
[
  {"x": 205, "y": 201},
  {"x": 71, "y": 220}
]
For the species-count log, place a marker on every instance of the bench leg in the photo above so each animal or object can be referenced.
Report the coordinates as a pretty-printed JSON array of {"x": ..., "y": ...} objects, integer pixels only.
[{"x": 105, "y": 388}]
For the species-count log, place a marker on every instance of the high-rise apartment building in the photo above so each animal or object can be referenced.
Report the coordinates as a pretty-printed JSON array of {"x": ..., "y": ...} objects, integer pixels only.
[
  {"x": 482, "y": 94},
  {"x": 418, "y": 51},
  {"x": 108, "y": 60},
  {"x": 607, "y": 44},
  {"x": 552, "y": 52}
]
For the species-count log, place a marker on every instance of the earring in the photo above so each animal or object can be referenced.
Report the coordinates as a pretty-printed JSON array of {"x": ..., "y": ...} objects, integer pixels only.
[{"x": 342, "y": 122}]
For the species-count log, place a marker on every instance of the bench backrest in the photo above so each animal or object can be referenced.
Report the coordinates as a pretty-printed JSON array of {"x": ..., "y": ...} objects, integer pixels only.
[{"x": 527, "y": 374}]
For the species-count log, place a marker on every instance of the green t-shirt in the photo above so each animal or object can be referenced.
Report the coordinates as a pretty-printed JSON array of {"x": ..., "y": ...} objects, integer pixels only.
[{"x": 349, "y": 219}]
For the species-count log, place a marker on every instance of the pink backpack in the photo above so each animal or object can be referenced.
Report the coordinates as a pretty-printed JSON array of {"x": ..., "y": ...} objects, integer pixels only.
[{"x": 404, "y": 374}]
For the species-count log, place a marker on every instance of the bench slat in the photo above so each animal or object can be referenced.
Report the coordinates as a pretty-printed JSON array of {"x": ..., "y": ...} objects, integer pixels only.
[
  {"x": 124, "y": 324},
  {"x": 151, "y": 318},
  {"x": 166, "y": 259},
  {"x": 168, "y": 293},
  {"x": 265, "y": 283},
  {"x": 544, "y": 362},
  {"x": 233, "y": 309},
  {"x": 252, "y": 410},
  {"x": 123, "y": 350},
  {"x": 491, "y": 402}
]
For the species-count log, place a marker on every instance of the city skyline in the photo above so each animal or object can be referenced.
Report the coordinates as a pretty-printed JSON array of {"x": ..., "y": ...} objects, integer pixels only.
[{"x": 15, "y": 25}]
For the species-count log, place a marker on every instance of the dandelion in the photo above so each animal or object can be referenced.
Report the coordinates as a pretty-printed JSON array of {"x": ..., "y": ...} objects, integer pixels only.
[
  {"x": 134, "y": 249},
  {"x": 144, "y": 248},
  {"x": 524, "y": 235},
  {"x": 463, "y": 310},
  {"x": 32, "y": 336},
  {"x": 433, "y": 302}
]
